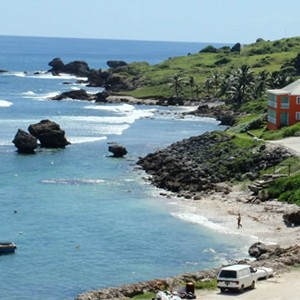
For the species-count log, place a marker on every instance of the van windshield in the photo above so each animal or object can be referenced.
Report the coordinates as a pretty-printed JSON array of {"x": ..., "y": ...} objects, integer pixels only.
[{"x": 228, "y": 274}]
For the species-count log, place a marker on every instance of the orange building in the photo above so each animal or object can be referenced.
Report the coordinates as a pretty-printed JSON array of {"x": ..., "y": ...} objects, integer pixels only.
[{"x": 284, "y": 106}]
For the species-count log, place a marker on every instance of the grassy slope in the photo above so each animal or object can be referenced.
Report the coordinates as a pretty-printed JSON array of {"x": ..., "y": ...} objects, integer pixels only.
[{"x": 265, "y": 55}]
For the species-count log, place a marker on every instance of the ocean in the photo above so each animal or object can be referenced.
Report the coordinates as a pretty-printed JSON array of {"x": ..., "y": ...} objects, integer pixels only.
[{"x": 81, "y": 219}]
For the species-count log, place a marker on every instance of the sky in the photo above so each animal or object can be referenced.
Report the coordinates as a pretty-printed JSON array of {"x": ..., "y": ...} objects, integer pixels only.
[{"x": 218, "y": 21}]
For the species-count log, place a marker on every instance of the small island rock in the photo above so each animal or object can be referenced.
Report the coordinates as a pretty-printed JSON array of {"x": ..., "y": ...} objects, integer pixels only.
[
  {"x": 117, "y": 150},
  {"x": 25, "y": 142},
  {"x": 49, "y": 134}
]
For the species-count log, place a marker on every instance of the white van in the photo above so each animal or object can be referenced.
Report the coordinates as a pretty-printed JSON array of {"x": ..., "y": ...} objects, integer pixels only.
[{"x": 236, "y": 277}]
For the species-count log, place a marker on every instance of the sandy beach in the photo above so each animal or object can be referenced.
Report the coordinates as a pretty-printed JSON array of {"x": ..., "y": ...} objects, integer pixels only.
[{"x": 260, "y": 222}]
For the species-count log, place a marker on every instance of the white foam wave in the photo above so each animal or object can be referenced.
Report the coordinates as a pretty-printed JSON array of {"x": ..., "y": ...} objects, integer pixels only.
[
  {"x": 122, "y": 108},
  {"x": 5, "y": 103},
  {"x": 33, "y": 95},
  {"x": 17, "y": 74},
  {"x": 201, "y": 220},
  {"x": 73, "y": 181},
  {"x": 96, "y": 119},
  {"x": 47, "y": 75},
  {"x": 129, "y": 112},
  {"x": 84, "y": 139}
]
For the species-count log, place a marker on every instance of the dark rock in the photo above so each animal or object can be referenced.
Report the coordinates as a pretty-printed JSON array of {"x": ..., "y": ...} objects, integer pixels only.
[
  {"x": 258, "y": 249},
  {"x": 25, "y": 142},
  {"x": 57, "y": 66},
  {"x": 117, "y": 83},
  {"x": 117, "y": 150},
  {"x": 201, "y": 163},
  {"x": 292, "y": 218},
  {"x": 101, "y": 97},
  {"x": 49, "y": 134},
  {"x": 79, "y": 95},
  {"x": 116, "y": 63},
  {"x": 78, "y": 68}
]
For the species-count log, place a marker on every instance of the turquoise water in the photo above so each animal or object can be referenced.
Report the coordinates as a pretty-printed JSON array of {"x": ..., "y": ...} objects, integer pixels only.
[{"x": 81, "y": 219}]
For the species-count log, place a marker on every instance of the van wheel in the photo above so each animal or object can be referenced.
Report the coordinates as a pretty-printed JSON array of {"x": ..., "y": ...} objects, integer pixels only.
[
  {"x": 242, "y": 289},
  {"x": 222, "y": 290},
  {"x": 253, "y": 285}
]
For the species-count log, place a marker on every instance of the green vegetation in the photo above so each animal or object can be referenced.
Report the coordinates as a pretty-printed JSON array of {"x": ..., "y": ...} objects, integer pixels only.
[
  {"x": 286, "y": 189},
  {"x": 206, "y": 285},
  {"x": 261, "y": 65},
  {"x": 145, "y": 296},
  {"x": 240, "y": 76}
]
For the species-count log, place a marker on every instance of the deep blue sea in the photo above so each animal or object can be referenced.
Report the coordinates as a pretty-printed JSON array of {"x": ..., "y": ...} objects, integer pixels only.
[{"x": 81, "y": 219}]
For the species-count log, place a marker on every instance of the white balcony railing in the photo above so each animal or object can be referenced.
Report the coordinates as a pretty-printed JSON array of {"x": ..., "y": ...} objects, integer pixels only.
[
  {"x": 285, "y": 105},
  {"x": 272, "y": 104}
]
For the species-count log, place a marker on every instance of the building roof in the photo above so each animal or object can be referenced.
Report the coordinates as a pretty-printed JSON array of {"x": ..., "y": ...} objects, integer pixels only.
[{"x": 291, "y": 89}]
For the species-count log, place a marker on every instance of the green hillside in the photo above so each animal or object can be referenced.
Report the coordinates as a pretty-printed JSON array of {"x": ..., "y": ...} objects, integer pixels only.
[{"x": 156, "y": 81}]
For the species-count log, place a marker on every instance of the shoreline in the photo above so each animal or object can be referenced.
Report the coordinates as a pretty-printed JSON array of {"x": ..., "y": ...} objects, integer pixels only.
[{"x": 260, "y": 222}]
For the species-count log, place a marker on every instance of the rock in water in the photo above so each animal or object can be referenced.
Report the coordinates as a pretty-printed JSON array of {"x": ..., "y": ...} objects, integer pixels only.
[
  {"x": 49, "y": 134},
  {"x": 117, "y": 150},
  {"x": 25, "y": 142}
]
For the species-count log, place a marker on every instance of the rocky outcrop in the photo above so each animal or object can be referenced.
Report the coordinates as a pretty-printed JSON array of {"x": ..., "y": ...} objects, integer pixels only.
[
  {"x": 116, "y": 63},
  {"x": 262, "y": 251},
  {"x": 82, "y": 95},
  {"x": 77, "y": 68},
  {"x": 220, "y": 113},
  {"x": 49, "y": 134},
  {"x": 25, "y": 142},
  {"x": 274, "y": 255},
  {"x": 79, "y": 95},
  {"x": 292, "y": 218},
  {"x": 117, "y": 150},
  {"x": 95, "y": 78},
  {"x": 200, "y": 163}
]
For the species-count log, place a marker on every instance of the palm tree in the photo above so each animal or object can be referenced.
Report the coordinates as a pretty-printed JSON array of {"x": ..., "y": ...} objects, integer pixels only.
[
  {"x": 197, "y": 90},
  {"x": 261, "y": 84},
  {"x": 191, "y": 83},
  {"x": 242, "y": 84},
  {"x": 208, "y": 85},
  {"x": 176, "y": 83},
  {"x": 216, "y": 81}
]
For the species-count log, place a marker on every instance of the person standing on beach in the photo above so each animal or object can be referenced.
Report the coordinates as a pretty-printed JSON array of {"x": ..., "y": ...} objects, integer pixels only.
[{"x": 239, "y": 220}]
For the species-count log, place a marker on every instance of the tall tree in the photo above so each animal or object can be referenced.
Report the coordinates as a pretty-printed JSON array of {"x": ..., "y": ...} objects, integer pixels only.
[
  {"x": 176, "y": 83},
  {"x": 242, "y": 83}
]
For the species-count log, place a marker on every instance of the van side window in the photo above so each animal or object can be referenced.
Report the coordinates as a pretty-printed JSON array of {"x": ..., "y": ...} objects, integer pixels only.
[{"x": 228, "y": 274}]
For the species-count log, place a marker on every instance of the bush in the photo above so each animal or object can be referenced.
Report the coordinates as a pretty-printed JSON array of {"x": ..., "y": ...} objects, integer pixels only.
[
  {"x": 286, "y": 189},
  {"x": 222, "y": 61},
  {"x": 209, "y": 49}
]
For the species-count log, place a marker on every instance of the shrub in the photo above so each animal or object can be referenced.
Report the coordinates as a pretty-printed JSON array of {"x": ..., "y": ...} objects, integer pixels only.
[
  {"x": 209, "y": 49},
  {"x": 286, "y": 189},
  {"x": 222, "y": 61}
]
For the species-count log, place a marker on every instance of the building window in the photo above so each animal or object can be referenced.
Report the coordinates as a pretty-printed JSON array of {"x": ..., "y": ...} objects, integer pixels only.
[
  {"x": 272, "y": 100},
  {"x": 284, "y": 102},
  {"x": 272, "y": 116},
  {"x": 297, "y": 115},
  {"x": 298, "y": 100}
]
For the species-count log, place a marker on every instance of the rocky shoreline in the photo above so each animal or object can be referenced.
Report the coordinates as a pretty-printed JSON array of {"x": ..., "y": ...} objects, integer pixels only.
[
  {"x": 198, "y": 165},
  {"x": 188, "y": 169},
  {"x": 275, "y": 257}
]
